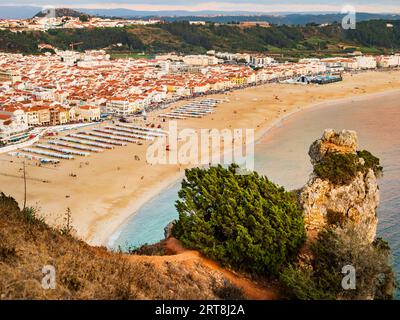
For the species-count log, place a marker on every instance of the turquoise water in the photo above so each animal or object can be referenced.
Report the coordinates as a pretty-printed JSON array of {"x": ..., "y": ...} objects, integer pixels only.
[{"x": 282, "y": 155}]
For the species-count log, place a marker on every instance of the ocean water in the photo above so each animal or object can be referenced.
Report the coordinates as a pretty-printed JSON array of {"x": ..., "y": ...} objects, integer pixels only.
[{"x": 282, "y": 155}]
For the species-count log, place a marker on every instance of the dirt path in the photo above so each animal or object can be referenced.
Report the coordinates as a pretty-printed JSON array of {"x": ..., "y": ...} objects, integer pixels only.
[{"x": 190, "y": 258}]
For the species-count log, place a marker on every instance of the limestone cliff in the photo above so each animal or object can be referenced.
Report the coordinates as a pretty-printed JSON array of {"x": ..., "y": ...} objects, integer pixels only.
[{"x": 326, "y": 203}]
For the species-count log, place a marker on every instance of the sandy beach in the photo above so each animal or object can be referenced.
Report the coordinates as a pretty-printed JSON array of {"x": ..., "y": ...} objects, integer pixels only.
[{"x": 104, "y": 189}]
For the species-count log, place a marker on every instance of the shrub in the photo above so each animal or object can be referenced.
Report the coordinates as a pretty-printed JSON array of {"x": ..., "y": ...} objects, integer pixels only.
[
  {"x": 242, "y": 221},
  {"x": 67, "y": 228},
  {"x": 30, "y": 216},
  {"x": 8, "y": 204},
  {"x": 335, "y": 218},
  {"x": 342, "y": 168},
  {"x": 83, "y": 18},
  {"x": 371, "y": 162},
  {"x": 228, "y": 291},
  {"x": 157, "y": 249},
  {"x": 338, "y": 168},
  {"x": 334, "y": 249},
  {"x": 301, "y": 284},
  {"x": 7, "y": 253}
]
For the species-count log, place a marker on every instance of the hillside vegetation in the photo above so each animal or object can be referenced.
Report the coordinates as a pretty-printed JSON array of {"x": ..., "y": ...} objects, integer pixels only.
[
  {"x": 333, "y": 250},
  {"x": 370, "y": 37},
  {"x": 243, "y": 221},
  {"x": 27, "y": 244},
  {"x": 248, "y": 223}
]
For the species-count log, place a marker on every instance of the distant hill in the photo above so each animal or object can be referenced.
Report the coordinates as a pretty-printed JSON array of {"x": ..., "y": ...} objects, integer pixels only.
[
  {"x": 25, "y": 12},
  {"x": 225, "y": 17},
  {"x": 60, "y": 12},
  {"x": 285, "y": 19}
]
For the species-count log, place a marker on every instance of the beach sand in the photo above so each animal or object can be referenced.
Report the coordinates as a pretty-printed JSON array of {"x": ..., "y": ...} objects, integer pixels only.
[{"x": 111, "y": 186}]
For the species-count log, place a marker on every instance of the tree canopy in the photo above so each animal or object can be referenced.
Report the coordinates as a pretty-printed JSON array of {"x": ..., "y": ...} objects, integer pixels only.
[
  {"x": 333, "y": 250},
  {"x": 342, "y": 168},
  {"x": 179, "y": 36},
  {"x": 243, "y": 221}
]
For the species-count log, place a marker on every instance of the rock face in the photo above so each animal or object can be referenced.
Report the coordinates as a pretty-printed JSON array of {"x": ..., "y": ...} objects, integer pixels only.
[
  {"x": 344, "y": 142},
  {"x": 326, "y": 204},
  {"x": 168, "y": 229}
]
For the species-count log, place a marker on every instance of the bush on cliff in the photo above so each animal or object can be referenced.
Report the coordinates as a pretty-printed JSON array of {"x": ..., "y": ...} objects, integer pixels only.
[
  {"x": 333, "y": 250},
  {"x": 342, "y": 168},
  {"x": 371, "y": 162},
  {"x": 338, "y": 168},
  {"x": 242, "y": 221}
]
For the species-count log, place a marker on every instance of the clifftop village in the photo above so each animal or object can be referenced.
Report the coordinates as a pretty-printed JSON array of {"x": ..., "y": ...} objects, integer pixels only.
[
  {"x": 71, "y": 87},
  {"x": 48, "y": 22}
]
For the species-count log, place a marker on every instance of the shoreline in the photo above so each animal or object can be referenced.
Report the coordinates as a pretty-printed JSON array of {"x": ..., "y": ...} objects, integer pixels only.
[
  {"x": 260, "y": 134},
  {"x": 324, "y": 104},
  {"x": 108, "y": 241},
  {"x": 107, "y": 189}
]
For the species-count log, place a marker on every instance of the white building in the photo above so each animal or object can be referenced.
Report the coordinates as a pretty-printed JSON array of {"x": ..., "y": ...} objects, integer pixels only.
[
  {"x": 18, "y": 116},
  {"x": 200, "y": 60},
  {"x": 69, "y": 57},
  {"x": 366, "y": 62},
  {"x": 120, "y": 106},
  {"x": 44, "y": 94},
  {"x": 10, "y": 131},
  {"x": 350, "y": 64},
  {"x": 88, "y": 113},
  {"x": 260, "y": 61},
  {"x": 388, "y": 61},
  {"x": 202, "y": 23},
  {"x": 32, "y": 116}
]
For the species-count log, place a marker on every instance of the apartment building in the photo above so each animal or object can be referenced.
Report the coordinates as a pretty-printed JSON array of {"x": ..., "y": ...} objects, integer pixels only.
[
  {"x": 11, "y": 131},
  {"x": 32, "y": 114},
  {"x": 388, "y": 61},
  {"x": 261, "y": 61},
  {"x": 366, "y": 62},
  {"x": 58, "y": 115},
  {"x": 119, "y": 107},
  {"x": 44, "y": 115},
  {"x": 17, "y": 115},
  {"x": 88, "y": 113}
]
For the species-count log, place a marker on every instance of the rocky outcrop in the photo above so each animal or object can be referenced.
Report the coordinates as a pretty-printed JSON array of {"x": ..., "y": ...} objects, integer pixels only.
[
  {"x": 168, "y": 229},
  {"x": 344, "y": 142},
  {"x": 325, "y": 203}
]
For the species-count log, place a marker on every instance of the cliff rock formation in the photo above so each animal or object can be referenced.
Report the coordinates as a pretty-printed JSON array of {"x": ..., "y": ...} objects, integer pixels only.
[{"x": 325, "y": 203}]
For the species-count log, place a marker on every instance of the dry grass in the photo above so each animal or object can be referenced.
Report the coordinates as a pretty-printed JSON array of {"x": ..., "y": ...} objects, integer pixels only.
[{"x": 84, "y": 272}]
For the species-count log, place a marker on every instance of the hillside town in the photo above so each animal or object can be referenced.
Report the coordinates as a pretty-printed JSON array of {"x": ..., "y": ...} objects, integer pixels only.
[
  {"x": 51, "y": 22},
  {"x": 73, "y": 87}
]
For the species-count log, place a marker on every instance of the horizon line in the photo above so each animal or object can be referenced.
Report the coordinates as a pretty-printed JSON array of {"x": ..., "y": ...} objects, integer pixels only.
[{"x": 291, "y": 9}]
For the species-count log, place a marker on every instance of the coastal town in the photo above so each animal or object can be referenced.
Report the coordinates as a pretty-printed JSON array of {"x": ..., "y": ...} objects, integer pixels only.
[
  {"x": 50, "y": 21},
  {"x": 75, "y": 87},
  {"x": 222, "y": 151}
]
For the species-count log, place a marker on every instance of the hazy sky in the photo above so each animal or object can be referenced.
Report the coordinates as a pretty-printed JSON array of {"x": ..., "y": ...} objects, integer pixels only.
[{"x": 388, "y": 6}]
